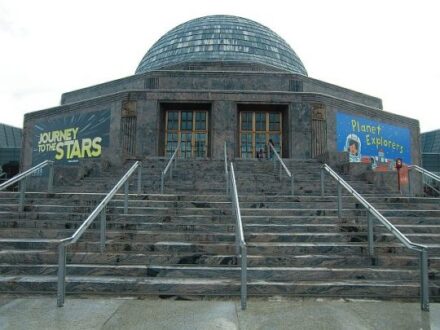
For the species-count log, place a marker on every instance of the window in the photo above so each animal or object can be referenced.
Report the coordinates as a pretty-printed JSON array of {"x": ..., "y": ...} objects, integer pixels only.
[
  {"x": 256, "y": 129},
  {"x": 190, "y": 128}
]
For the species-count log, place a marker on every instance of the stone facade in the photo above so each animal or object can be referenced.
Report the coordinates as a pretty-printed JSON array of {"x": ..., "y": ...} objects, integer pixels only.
[{"x": 222, "y": 92}]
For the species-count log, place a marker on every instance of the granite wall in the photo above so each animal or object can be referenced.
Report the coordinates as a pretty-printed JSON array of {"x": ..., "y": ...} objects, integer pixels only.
[{"x": 200, "y": 80}]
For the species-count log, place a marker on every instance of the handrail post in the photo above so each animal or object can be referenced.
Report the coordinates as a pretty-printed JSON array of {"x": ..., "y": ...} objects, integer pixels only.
[
  {"x": 370, "y": 232},
  {"x": 409, "y": 183},
  {"x": 161, "y": 182},
  {"x": 240, "y": 243},
  {"x": 139, "y": 180},
  {"x": 281, "y": 169},
  {"x": 50, "y": 179},
  {"x": 171, "y": 172},
  {"x": 424, "y": 284},
  {"x": 126, "y": 197},
  {"x": 226, "y": 169},
  {"x": 103, "y": 230},
  {"x": 339, "y": 201},
  {"x": 237, "y": 234},
  {"x": 227, "y": 184},
  {"x": 22, "y": 194},
  {"x": 292, "y": 185},
  {"x": 322, "y": 181},
  {"x": 61, "y": 286},
  {"x": 243, "y": 265}
]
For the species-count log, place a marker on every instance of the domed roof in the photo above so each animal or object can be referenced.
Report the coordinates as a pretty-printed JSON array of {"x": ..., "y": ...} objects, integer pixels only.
[{"x": 221, "y": 38}]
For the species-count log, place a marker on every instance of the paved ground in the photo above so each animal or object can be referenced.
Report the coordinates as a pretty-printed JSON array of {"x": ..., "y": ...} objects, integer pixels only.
[{"x": 274, "y": 313}]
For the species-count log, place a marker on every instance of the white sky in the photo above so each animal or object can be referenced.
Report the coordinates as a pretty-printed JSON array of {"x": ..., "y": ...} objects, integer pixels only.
[{"x": 385, "y": 48}]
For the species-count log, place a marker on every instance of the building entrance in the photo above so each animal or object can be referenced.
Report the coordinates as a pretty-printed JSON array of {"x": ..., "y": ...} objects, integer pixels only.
[
  {"x": 190, "y": 128},
  {"x": 257, "y": 128}
]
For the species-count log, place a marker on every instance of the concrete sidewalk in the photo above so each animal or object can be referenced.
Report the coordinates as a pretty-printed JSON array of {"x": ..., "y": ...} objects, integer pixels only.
[{"x": 155, "y": 313}]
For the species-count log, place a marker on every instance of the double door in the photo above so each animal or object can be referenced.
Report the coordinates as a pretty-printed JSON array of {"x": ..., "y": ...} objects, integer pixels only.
[
  {"x": 190, "y": 128},
  {"x": 257, "y": 129}
]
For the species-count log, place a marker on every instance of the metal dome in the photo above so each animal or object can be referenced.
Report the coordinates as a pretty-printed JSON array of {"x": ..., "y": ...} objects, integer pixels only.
[{"x": 221, "y": 38}]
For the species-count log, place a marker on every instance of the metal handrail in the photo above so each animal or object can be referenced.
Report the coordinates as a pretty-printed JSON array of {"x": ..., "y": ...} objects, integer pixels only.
[
  {"x": 240, "y": 243},
  {"x": 282, "y": 165},
  {"x": 99, "y": 210},
  {"x": 226, "y": 170},
  {"x": 22, "y": 178},
  {"x": 424, "y": 172},
  {"x": 372, "y": 211},
  {"x": 169, "y": 167}
]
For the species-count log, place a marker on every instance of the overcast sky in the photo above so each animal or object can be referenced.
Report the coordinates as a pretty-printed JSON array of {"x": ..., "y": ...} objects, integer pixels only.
[{"x": 389, "y": 49}]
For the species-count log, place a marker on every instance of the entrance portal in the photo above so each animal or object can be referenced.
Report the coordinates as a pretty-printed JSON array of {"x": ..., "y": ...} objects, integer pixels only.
[
  {"x": 190, "y": 128},
  {"x": 257, "y": 128}
]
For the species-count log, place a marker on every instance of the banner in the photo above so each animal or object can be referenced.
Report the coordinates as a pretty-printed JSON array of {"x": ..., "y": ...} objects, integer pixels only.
[
  {"x": 71, "y": 138},
  {"x": 370, "y": 141}
]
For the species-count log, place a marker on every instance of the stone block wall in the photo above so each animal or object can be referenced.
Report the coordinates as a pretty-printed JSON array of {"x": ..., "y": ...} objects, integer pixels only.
[{"x": 178, "y": 80}]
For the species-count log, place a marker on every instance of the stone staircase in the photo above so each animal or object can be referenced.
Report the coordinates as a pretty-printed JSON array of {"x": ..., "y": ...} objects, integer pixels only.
[
  {"x": 182, "y": 243},
  {"x": 309, "y": 251},
  {"x": 179, "y": 243}
]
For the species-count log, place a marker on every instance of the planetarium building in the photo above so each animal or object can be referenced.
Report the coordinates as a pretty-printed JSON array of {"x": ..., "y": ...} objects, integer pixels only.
[{"x": 212, "y": 80}]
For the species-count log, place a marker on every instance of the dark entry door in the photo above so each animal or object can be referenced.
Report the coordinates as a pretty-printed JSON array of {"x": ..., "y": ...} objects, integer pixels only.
[
  {"x": 256, "y": 129},
  {"x": 190, "y": 128}
]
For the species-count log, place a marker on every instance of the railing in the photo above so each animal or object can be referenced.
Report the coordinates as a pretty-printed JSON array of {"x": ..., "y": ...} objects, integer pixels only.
[
  {"x": 372, "y": 212},
  {"x": 240, "y": 243},
  {"x": 282, "y": 166},
  {"x": 226, "y": 171},
  {"x": 425, "y": 173},
  {"x": 99, "y": 210},
  {"x": 22, "y": 178},
  {"x": 169, "y": 167}
]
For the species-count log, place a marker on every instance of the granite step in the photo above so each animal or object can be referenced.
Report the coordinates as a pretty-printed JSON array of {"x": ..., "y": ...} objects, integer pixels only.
[
  {"x": 277, "y": 274},
  {"x": 286, "y": 274},
  {"x": 37, "y": 196},
  {"x": 120, "y": 209},
  {"x": 126, "y": 235},
  {"x": 35, "y": 256},
  {"x": 346, "y": 212},
  {"x": 73, "y": 220},
  {"x": 254, "y": 248},
  {"x": 126, "y": 246},
  {"x": 187, "y": 226},
  {"x": 77, "y": 218},
  {"x": 158, "y": 236},
  {"x": 139, "y": 286}
]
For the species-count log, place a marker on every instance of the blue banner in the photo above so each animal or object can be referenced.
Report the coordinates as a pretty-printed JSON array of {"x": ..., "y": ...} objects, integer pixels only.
[{"x": 370, "y": 141}]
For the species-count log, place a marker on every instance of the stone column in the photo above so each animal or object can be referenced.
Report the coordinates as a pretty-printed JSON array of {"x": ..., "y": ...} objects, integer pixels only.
[
  {"x": 148, "y": 133},
  {"x": 223, "y": 128}
]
